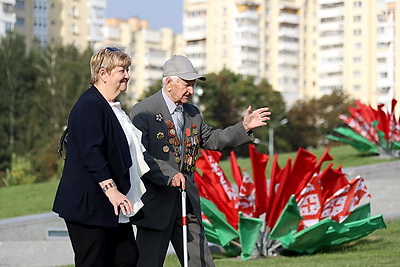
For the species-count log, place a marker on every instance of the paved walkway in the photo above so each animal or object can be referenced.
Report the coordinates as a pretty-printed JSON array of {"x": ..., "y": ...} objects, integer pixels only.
[{"x": 35, "y": 240}]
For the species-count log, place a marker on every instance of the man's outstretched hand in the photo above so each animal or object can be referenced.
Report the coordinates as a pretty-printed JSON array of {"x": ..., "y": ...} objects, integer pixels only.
[{"x": 256, "y": 118}]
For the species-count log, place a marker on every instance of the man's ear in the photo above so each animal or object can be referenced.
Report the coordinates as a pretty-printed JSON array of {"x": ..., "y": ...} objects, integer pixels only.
[{"x": 168, "y": 81}]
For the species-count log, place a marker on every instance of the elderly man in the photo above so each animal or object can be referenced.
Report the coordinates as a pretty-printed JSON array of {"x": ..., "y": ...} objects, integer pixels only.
[{"x": 173, "y": 132}]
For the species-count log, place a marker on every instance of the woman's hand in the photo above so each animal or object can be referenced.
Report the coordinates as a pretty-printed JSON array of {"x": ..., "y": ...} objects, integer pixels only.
[{"x": 117, "y": 199}]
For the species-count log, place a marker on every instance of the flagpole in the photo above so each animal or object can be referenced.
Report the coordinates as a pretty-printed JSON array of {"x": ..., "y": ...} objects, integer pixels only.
[{"x": 184, "y": 228}]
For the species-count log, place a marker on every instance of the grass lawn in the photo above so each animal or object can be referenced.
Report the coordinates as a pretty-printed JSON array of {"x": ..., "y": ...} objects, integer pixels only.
[{"x": 381, "y": 248}]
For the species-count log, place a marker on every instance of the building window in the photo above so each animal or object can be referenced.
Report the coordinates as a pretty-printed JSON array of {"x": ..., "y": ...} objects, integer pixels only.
[
  {"x": 357, "y": 73},
  {"x": 20, "y": 4},
  {"x": 74, "y": 29},
  {"x": 9, "y": 26},
  {"x": 20, "y": 22},
  {"x": 357, "y": 59},
  {"x": 357, "y": 46},
  {"x": 381, "y": 60},
  {"x": 356, "y": 87},
  {"x": 357, "y": 18},
  {"x": 74, "y": 12},
  {"x": 383, "y": 75},
  {"x": 357, "y": 4},
  {"x": 357, "y": 32}
]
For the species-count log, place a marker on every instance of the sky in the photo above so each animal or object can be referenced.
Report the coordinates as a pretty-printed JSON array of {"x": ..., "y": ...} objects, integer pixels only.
[{"x": 160, "y": 13}]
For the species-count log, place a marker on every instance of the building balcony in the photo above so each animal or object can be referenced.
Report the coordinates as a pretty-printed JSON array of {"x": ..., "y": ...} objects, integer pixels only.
[
  {"x": 331, "y": 81},
  {"x": 151, "y": 36},
  {"x": 288, "y": 72},
  {"x": 291, "y": 60},
  {"x": 288, "y": 32},
  {"x": 295, "y": 47},
  {"x": 98, "y": 4},
  {"x": 330, "y": 40},
  {"x": 289, "y": 19},
  {"x": 324, "y": 2},
  {"x": 195, "y": 35},
  {"x": 384, "y": 83},
  {"x": 195, "y": 49},
  {"x": 325, "y": 68},
  {"x": 330, "y": 13},
  {"x": 246, "y": 42},
  {"x": 330, "y": 26}
]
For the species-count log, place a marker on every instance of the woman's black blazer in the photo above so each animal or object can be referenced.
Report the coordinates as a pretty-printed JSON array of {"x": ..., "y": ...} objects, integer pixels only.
[{"x": 97, "y": 150}]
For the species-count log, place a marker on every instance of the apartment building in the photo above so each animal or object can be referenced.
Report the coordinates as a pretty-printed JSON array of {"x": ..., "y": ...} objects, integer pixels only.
[
  {"x": 60, "y": 22},
  {"x": 253, "y": 38},
  {"x": 223, "y": 34},
  {"x": 32, "y": 21},
  {"x": 76, "y": 22},
  {"x": 281, "y": 47},
  {"x": 148, "y": 48},
  {"x": 304, "y": 48},
  {"x": 7, "y": 16},
  {"x": 351, "y": 46}
]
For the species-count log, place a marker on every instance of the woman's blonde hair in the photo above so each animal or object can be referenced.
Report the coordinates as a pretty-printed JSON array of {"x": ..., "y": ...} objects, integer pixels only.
[{"x": 108, "y": 58}]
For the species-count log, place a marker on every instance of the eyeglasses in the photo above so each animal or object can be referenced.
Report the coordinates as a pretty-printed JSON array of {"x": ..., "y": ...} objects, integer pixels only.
[{"x": 112, "y": 48}]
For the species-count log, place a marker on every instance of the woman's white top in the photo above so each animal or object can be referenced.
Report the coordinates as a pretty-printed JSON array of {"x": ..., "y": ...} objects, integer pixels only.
[{"x": 139, "y": 166}]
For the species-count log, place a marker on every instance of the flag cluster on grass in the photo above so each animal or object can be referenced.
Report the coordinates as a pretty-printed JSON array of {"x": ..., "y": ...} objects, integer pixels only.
[
  {"x": 302, "y": 208},
  {"x": 372, "y": 131}
]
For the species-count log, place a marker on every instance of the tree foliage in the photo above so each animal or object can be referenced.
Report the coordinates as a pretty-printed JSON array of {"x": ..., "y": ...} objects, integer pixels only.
[
  {"x": 39, "y": 88},
  {"x": 225, "y": 97},
  {"x": 310, "y": 120},
  {"x": 16, "y": 87}
]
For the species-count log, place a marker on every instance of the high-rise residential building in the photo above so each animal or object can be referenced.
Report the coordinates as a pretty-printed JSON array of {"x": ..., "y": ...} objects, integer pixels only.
[
  {"x": 281, "y": 47},
  {"x": 148, "y": 48},
  {"x": 76, "y": 22},
  {"x": 223, "y": 34},
  {"x": 32, "y": 21},
  {"x": 7, "y": 16},
  {"x": 351, "y": 46},
  {"x": 60, "y": 22},
  {"x": 195, "y": 33},
  {"x": 252, "y": 38},
  {"x": 304, "y": 48}
]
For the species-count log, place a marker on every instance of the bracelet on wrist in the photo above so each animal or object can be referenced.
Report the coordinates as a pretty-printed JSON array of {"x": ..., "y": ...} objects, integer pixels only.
[{"x": 108, "y": 186}]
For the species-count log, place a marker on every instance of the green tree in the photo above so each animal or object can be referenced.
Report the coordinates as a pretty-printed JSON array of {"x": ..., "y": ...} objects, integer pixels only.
[
  {"x": 62, "y": 75},
  {"x": 16, "y": 86},
  {"x": 225, "y": 97},
  {"x": 310, "y": 120}
]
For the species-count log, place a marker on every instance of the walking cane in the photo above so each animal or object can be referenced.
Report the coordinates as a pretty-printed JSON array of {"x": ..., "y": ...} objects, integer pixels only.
[{"x": 184, "y": 228}]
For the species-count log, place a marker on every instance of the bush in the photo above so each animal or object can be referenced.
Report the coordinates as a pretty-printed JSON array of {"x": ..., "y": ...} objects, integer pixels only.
[{"x": 21, "y": 172}]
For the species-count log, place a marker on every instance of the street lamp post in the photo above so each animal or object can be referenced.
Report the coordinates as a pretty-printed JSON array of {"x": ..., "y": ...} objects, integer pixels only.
[{"x": 271, "y": 135}]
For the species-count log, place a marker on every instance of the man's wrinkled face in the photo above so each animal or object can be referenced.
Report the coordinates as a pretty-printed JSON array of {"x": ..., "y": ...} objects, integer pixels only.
[{"x": 180, "y": 90}]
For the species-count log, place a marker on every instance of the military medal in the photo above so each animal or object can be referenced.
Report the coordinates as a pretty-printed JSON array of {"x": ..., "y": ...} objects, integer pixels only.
[
  {"x": 165, "y": 149},
  {"x": 172, "y": 132},
  {"x": 160, "y": 135},
  {"x": 177, "y": 159}
]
